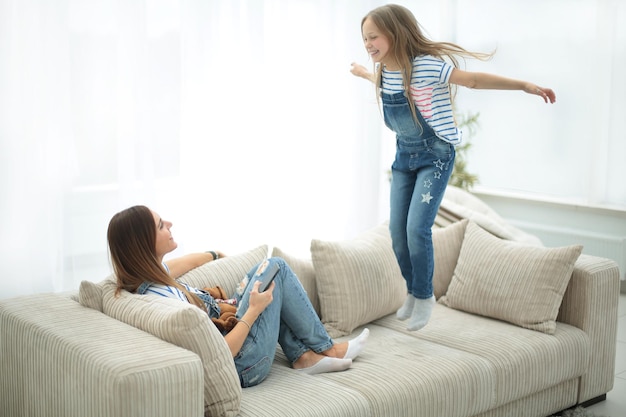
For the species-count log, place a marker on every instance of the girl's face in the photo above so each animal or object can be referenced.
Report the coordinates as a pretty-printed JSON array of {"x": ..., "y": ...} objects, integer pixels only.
[
  {"x": 377, "y": 44},
  {"x": 164, "y": 241}
]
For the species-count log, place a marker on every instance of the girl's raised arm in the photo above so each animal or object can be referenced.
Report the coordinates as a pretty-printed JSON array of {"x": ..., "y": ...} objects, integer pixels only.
[
  {"x": 360, "y": 71},
  {"x": 485, "y": 81}
]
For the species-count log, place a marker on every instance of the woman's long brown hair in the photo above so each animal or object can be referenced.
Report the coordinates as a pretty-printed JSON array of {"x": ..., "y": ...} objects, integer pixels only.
[{"x": 132, "y": 248}]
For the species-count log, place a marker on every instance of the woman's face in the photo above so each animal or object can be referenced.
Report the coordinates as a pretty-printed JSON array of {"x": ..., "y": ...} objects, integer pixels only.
[
  {"x": 164, "y": 241},
  {"x": 376, "y": 44}
]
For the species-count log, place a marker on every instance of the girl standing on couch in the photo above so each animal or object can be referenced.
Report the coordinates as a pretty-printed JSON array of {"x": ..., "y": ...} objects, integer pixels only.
[
  {"x": 408, "y": 64},
  {"x": 139, "y": 239}
]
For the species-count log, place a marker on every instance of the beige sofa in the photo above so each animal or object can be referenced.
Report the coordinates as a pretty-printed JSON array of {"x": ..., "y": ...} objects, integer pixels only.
[{"x": 518, "y": 330}]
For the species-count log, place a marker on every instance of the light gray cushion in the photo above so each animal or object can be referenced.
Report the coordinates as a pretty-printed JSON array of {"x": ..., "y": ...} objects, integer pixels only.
[
  {"x": 90, "y": 293},
  {"x": 304, "y": 270},
  {"x": 358, "y": 280},
  {"x": 447, "y": 243},
  {"x": 510, "y": 281}
]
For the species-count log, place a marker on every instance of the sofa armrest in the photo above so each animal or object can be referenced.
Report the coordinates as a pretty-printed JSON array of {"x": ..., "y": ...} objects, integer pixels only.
[
  {"x": 60, "y": 358},
  {"x": 590, "y": 303}
]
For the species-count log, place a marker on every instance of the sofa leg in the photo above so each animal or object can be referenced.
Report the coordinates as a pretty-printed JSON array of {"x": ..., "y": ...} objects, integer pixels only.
[
  {"x": 586, "y": 404},
  {"x": 593, "y": 401}
]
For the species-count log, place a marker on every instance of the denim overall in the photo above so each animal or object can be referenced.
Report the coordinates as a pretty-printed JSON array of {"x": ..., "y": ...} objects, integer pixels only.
[{"x": 419, "y": 176}]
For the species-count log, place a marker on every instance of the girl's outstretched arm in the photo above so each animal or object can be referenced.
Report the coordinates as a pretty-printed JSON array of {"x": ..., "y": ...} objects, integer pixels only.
[
  {"x": 360, "y": 71},
  {"x": 481, "y": 80}
]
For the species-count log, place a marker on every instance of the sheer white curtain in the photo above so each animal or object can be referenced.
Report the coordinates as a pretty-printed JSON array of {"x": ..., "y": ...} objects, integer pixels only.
[
  {"x": 572, "y": 151},
  {"x": 239, "y": 121}
]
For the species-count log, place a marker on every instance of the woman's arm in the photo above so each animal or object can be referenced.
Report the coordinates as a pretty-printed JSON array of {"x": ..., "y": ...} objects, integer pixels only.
[
  {"x": 258, "y": 303},
  {"x": 184, "y": 264},
  {"x": 481, "y": 80}
]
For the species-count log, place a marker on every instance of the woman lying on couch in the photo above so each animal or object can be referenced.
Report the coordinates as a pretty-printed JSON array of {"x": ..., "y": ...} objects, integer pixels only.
[{"x": 139, "y": 239}]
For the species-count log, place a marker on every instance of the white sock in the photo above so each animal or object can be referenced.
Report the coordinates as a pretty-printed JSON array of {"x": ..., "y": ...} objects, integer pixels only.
[
  {"x": 421, "y": 313},
  {"x": 356, "y": 345},
  {"x": 327, "y": 364},
  {"x": 407, "y": 308}
]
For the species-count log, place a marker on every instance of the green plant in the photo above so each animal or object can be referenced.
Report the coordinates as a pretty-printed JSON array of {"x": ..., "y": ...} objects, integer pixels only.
[{"x": 460, "y": 176}]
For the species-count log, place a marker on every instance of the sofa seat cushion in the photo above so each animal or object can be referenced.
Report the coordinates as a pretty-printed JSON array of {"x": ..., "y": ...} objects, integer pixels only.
[
  {"x": 523, "y": 361},
  {"x": 399, "y": 375},
  {"x": 287, "y": 392}
]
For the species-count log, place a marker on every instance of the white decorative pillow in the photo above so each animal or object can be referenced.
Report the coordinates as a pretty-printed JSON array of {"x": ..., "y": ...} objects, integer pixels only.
[
  {"x": 358, "y": 280},
  {"x": 226, "y": 272},
  {"x": 447, "y": 243},
  {"x": 304, "y": 270},
  {"x": 187, "y": 326},
  {"x": 90, "y": 293},
  {"x": 510, "y": 281}
]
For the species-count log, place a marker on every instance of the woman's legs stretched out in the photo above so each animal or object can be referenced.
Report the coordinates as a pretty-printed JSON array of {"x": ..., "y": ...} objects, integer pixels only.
[
  {"x": 291, "y": 321},
  {"x": 301, "y": 328}
]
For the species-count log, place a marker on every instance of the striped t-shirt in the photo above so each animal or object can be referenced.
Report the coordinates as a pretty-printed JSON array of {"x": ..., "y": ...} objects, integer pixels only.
[
  {"x": 168, "y": 290},
  {"x": 430, "y": 91}
]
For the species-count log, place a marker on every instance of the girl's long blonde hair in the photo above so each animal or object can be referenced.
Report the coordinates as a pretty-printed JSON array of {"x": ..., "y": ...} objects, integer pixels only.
[
  {"x": 408, "y": 41},
  {"x": 132, "y": 247}
]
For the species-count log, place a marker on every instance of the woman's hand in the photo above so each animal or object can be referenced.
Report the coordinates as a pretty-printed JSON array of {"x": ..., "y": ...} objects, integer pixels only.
[
  {"x": 257, "y": 303},
  {"x": 260, "y": 300}
]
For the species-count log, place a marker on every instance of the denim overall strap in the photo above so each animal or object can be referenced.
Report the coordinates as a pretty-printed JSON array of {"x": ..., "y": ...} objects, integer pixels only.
[
  {"x": 143, "y": 288},
  {"x": 211, "y": 305},
  {"x": 399, "y": 118}
]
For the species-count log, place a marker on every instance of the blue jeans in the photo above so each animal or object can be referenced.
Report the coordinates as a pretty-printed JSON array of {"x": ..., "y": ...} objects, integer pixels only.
[
  {"x": 289, "y": 320},
  {"x": 419, "y": 176}
]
